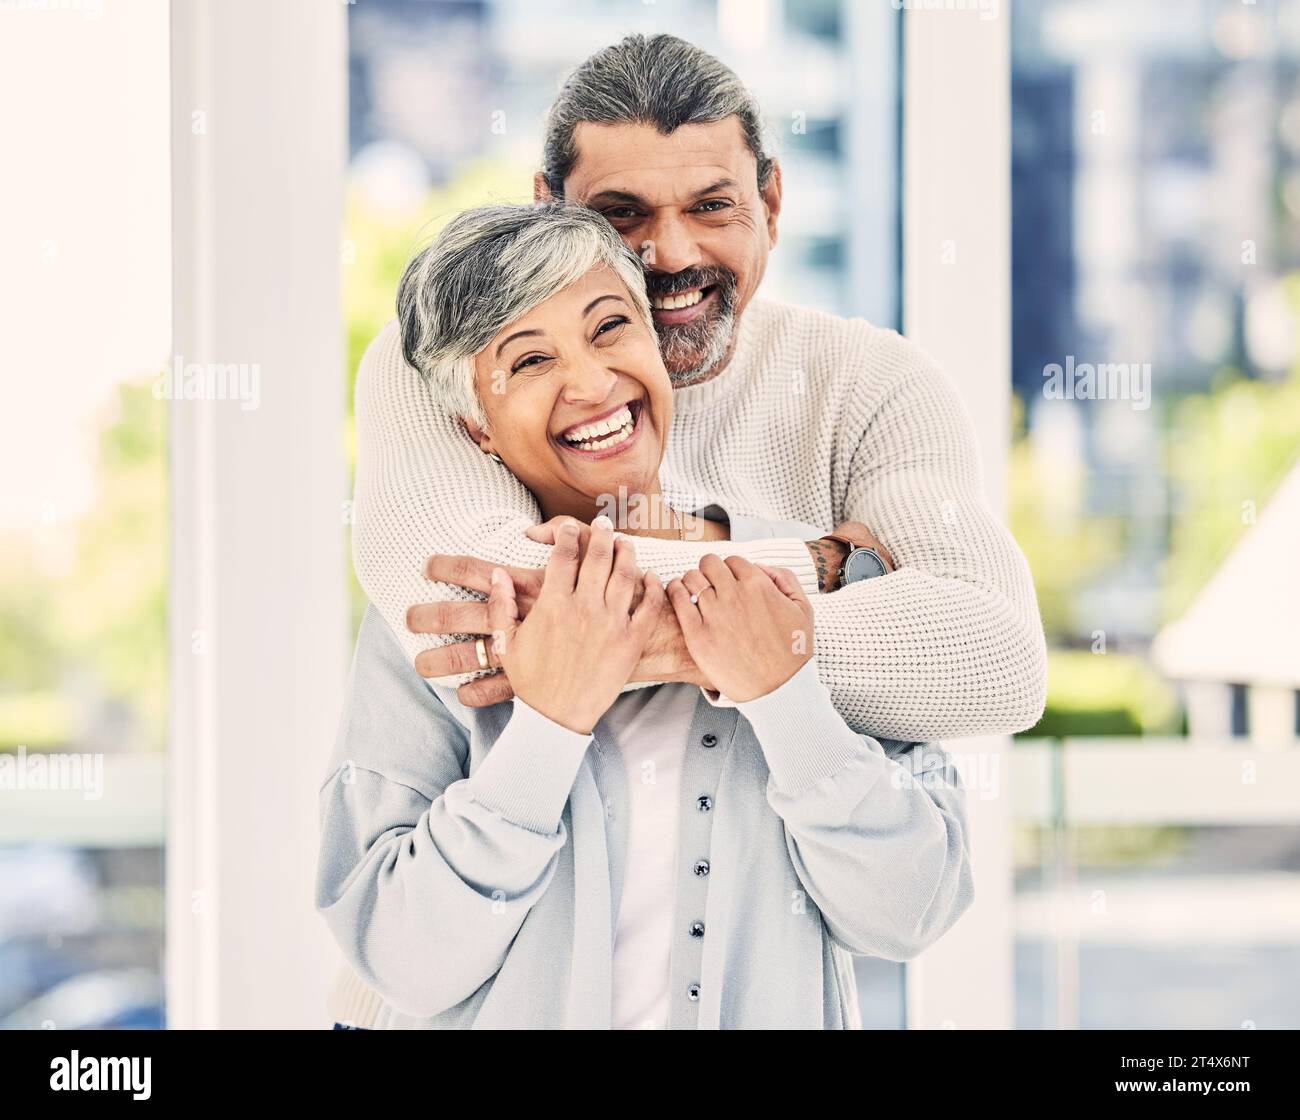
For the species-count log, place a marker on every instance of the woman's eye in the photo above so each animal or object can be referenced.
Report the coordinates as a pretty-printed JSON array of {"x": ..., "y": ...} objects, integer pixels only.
[
  {"x": 528, "y": 360},
  {"x": 609, "y": 324}
]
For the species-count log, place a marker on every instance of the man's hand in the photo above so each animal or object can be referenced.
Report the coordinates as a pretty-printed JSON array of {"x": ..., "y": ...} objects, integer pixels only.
[
  {"x": 547, "y": 531},
  {"x": 666, "y": 658},
  {"x": 750, "y": 628},
  {"x": 468, "y": 618}
]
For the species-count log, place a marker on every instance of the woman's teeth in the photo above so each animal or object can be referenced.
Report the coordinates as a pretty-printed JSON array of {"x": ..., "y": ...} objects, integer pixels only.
[
  {"x": 683, "y": 299},
  {"x": 604, "y": 433}
]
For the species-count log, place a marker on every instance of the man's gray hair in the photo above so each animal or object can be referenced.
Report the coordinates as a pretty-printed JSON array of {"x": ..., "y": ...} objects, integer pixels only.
[
  {"x": 657, "y": 80},
  {"x": 487, "y": 268}
]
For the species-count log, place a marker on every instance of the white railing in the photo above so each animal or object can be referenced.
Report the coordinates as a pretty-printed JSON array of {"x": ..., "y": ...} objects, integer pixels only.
[
  {"x": 1122, "y": 780},
  {"x": 1061, "y": 784}
]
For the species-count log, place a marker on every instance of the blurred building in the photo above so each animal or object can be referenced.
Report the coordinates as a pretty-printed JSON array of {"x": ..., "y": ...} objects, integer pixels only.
[
  {"x": 1156, "y": 205},
  {"x": 438, "y": 85}
]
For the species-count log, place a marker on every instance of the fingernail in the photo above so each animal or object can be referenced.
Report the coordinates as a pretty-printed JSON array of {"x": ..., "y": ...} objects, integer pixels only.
[
  {"x": 603, "y": 522},
  {"x": 498, "y": 575}
]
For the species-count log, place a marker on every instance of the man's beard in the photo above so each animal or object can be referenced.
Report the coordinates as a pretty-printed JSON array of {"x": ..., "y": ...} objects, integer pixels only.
[{"x": 690, "y": 350}]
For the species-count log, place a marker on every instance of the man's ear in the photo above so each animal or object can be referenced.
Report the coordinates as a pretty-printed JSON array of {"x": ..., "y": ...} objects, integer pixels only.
[
  {"x": 541, "y": 192},
  {"x": 772, "y": 199}
]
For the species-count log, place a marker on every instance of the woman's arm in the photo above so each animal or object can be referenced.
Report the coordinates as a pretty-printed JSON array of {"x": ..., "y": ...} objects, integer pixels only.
[
  {"x": 424, "y": 876},
  {"x": 877, "y": 835}
]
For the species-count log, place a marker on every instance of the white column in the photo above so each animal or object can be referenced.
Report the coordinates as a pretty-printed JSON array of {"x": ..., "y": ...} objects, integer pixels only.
[
  {"x": 1270, "y": 715},
  {"x": 1209, "y": 709},
  {"x": 956, "y": 305},
  {"x": 258, "y": 599}
]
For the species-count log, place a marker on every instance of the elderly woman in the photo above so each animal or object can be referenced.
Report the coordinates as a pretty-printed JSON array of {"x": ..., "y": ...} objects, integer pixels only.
[{"x": 588, "y": 855}]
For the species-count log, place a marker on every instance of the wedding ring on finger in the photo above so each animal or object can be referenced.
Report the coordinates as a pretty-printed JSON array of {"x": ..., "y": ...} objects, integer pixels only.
[
  {"x": 696, "y": 583},
  {"x": 480, "y": 647}
]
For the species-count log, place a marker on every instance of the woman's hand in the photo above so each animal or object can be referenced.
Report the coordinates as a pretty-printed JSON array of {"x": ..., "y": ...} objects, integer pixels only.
[
  {"x": 750, "y": 629},
  {"x": 581, "y": 640}
]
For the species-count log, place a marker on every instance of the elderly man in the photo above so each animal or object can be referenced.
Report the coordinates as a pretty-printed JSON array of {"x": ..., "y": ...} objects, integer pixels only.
[{"x": 927, "y": 627}]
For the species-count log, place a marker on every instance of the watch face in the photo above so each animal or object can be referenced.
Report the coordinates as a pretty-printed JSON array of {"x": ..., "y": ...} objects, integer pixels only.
[{"x": 862, "y": 563}]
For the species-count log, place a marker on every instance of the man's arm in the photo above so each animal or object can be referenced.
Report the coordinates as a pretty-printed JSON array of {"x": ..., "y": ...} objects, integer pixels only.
[
  {"x": 424, "y": 488},
  {"x": 948, "y": 645},
  {"x": 951, "y": 643}
]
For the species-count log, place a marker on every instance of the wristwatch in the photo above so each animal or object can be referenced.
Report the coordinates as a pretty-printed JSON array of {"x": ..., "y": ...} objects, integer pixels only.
[{"x": 860, "y": 563}]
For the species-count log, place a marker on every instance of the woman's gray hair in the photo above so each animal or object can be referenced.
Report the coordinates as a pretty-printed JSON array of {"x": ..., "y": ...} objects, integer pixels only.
[
  {"x": 658, "y": 80},
  {"x": 487, "y": 268}
]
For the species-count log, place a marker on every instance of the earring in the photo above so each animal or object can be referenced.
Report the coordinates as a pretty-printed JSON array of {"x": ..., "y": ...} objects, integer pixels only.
[{"x": 496, "y": 456}]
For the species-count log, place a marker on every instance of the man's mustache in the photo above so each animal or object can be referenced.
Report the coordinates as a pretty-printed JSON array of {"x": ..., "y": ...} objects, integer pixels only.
[{"x": 669, "y": 283}]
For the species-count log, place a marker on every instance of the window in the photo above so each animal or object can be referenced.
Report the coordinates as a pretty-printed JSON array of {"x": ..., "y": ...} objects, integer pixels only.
[
  {"x": 1156, "y": 251},
  {"x": 83, "y": 600}
]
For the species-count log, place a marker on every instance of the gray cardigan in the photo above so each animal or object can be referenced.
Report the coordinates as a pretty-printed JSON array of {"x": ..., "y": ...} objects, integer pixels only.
[{"x": 471, "y": 860}]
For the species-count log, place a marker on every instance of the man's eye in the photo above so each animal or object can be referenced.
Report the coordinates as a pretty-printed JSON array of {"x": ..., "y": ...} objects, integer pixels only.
[
  {"x": 713, "y": 205},
  {"x": 610, "y": 323},
  {"x": 620, "y": 213},
  {"x": 528, "y": 360}
]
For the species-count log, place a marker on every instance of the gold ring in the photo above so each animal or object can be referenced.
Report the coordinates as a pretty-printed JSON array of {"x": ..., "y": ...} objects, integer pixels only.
[{"x": 480, "y": 648}]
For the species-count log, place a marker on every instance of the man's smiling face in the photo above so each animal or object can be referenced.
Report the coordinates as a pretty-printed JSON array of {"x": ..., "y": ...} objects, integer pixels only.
[{"x": 688, "y": 203}]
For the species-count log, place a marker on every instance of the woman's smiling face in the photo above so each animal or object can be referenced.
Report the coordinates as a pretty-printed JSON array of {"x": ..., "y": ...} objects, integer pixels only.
[{"x": 577, "y": 398}]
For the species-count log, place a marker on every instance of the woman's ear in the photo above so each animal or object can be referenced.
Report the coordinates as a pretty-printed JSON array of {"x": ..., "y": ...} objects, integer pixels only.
[{"x": 479, "y": 436}]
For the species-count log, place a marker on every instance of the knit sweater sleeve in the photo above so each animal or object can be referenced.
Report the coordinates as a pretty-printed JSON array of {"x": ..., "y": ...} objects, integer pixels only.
[
  {"x": 423, "y": 487},
  {"x": 951, "y": 643}
]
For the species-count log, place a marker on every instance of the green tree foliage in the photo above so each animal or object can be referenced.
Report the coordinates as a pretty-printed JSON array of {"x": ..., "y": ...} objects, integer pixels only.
[
  {"x": 1229, "y": 449},
  {"x": 83, "y": 635}
]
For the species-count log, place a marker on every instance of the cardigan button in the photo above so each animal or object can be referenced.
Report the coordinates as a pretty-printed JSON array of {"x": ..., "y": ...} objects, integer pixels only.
[
  {"x": 704, "y": 803},
  {"x": 701, "y": 867},
  {"x": 697, "y": 929},
  {"x": 693, "y": 993},
  {"x": 710, "y": 740}
]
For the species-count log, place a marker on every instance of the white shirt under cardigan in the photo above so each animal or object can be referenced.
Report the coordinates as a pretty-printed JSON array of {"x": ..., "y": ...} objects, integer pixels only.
[
  {"x": 650, "y": 728},
  {"x": 472, "y": 861},
  {"x": 816, "y": 418}
]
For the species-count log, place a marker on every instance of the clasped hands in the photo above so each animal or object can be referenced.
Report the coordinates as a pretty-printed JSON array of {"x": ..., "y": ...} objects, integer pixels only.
[{"x": 567, "y": 638}]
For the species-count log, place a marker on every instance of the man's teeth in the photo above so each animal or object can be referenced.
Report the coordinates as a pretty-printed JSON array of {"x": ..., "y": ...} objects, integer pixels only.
[
  {"x": 682, "y": 299},
  {"x": 604, "y": 433}
]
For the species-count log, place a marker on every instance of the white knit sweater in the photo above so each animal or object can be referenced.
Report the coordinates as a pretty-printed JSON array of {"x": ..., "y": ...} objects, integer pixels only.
[{"x": 816, "y": 419}]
